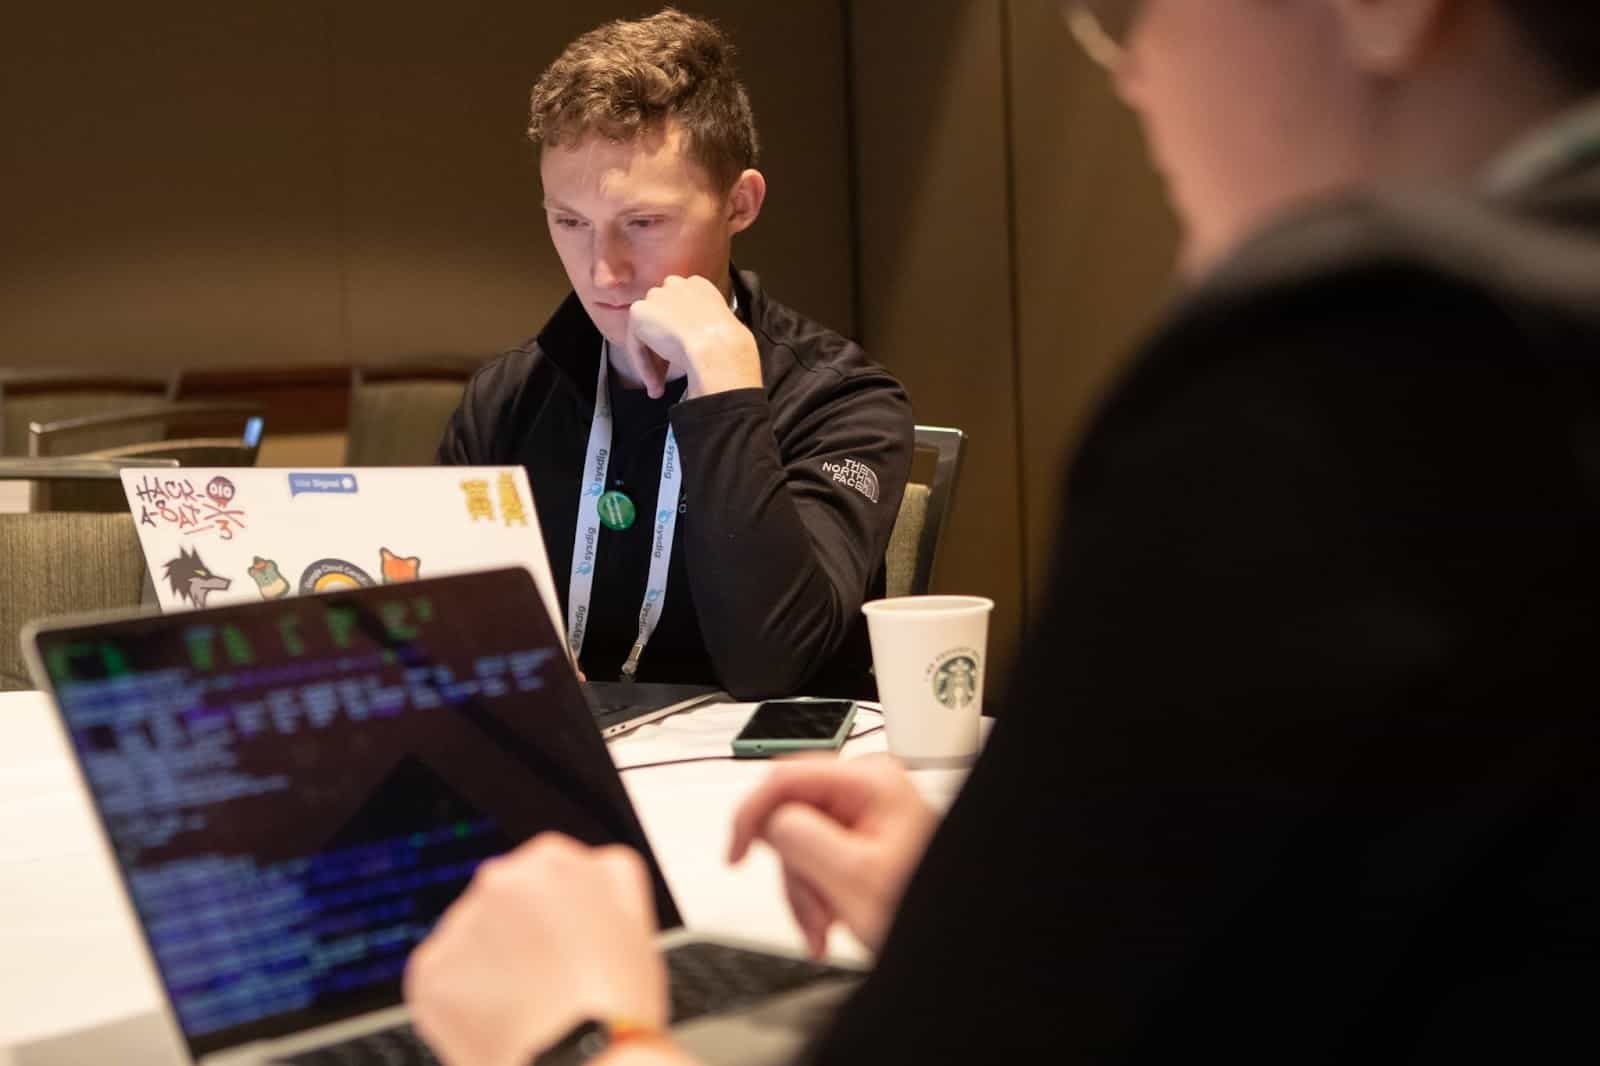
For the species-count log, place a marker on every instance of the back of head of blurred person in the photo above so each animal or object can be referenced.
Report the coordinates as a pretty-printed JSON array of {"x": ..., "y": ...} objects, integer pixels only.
[
  {"x": 1298, "y": 759},
  {"x": 1252, "y": 108}
]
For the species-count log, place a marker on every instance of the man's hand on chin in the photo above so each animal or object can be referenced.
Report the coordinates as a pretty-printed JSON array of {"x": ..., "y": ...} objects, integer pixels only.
[{"x": 685, "y": 324}]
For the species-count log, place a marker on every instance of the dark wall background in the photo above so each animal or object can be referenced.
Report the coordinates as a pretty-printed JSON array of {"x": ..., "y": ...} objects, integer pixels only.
[
  {"x": 318, "y": 182},
  {"x": 1012, "y": 246},
  {"x": 327, "y": 181}
]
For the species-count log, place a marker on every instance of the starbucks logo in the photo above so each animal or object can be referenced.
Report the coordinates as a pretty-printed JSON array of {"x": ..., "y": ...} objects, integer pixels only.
[{"x": 955, "y": 678}]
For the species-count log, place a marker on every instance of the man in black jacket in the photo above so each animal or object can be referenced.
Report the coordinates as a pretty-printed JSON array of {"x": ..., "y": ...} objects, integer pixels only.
[
  {"x": 1300, "y": 763},
  {"x": 716, "y": 474}
]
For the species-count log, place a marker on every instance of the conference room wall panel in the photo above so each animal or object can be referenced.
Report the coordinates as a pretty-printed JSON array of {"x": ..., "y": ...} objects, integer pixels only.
[
  {"x": 935, "y": 264},
  {"x": 323, "y": 181},
  {"x": 1095, "y": 246},
  {"x": 166, "y": 190},
  {"x": 1013, "y": 248}
]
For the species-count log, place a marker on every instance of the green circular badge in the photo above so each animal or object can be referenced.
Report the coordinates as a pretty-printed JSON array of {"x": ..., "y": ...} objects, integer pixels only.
[{"x": 616, "y": 510}]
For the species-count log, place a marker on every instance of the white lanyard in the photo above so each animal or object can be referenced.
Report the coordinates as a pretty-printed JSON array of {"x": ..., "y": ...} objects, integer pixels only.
[{"x": 586, "y": 537}]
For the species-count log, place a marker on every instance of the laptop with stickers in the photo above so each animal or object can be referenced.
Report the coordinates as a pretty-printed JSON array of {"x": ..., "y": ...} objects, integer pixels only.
[
  {"x": 294, "y": 789},
  {"x": 215, "y": 536}
]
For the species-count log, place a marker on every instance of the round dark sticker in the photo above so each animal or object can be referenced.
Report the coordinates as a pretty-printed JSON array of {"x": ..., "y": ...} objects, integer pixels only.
[{"x": 333, "y": 575}]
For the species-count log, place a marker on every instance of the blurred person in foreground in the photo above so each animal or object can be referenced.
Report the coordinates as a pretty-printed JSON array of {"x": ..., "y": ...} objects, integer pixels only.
[{"x": 1300, "y": 762}]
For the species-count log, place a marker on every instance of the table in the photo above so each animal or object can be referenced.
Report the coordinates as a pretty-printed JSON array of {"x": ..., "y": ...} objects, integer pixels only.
[
  {"x": 15, "y": 496},
  {"x": 70, "y": 956}
]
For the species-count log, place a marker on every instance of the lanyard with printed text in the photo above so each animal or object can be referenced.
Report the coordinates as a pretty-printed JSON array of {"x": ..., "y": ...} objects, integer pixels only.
[{"x": 586, "y": 537}]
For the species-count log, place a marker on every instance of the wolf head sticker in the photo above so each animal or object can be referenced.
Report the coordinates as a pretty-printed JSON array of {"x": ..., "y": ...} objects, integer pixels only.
[{"x": 191, "y": 579}]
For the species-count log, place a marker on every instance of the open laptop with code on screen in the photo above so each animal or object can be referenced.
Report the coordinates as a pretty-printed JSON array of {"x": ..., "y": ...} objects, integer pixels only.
[{"x": 293, "y": 790}]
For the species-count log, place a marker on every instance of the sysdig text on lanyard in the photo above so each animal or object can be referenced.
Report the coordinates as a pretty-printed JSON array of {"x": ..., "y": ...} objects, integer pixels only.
[{"x": 598, "y": 506}]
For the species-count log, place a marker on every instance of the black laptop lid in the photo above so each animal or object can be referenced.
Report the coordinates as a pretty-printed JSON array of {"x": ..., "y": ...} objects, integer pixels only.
[{"x": 297, "y": 789}]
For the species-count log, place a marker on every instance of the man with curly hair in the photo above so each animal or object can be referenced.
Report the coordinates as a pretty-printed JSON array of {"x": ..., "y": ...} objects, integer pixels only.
[{"x": 717, "y": 473}]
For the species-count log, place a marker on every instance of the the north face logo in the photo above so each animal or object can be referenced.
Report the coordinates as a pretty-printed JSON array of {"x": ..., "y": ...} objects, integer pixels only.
[{"x": 857, "y": 475}]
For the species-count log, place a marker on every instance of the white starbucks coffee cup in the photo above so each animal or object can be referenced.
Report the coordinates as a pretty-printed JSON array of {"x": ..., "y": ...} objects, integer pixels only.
[{"x": 929, "y": 654}]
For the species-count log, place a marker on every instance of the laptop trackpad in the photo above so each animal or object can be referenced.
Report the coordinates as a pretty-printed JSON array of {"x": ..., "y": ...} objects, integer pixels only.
[{"x": 772, "y": 1031}]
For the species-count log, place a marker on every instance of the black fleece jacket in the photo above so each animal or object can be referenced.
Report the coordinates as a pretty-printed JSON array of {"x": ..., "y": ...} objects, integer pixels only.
[{"x": 789, "y": 495}]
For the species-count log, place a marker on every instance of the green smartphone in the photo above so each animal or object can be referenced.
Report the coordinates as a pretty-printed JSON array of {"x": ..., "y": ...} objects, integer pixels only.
[{"x": 780, "y": 726}]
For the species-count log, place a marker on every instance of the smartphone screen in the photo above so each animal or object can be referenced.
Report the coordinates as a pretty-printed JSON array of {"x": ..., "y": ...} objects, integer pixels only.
[{"x": 795, "y": 720}]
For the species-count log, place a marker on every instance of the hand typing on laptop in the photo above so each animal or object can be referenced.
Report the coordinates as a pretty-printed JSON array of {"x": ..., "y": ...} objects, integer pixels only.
[
  {"x": 543, "y": 938},
  {"x": 556, "y": 932},
  {"x": 848, "y": 834}
]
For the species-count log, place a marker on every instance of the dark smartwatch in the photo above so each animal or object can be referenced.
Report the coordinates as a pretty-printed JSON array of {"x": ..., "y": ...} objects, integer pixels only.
[
  {"x": 586, "y": 1040},
  {"x": 589, "y": 1038}
]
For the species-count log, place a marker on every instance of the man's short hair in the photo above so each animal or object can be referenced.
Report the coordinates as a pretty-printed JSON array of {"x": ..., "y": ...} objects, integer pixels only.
[
  {"x": 1565, "y": 32},
  {"x": 630, "y": 77}
]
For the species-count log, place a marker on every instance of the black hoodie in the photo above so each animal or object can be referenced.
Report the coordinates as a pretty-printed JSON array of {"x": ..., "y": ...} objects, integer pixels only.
[
  {"x": 1301, "y": 762},
  {"x": 789, "y": 495}
]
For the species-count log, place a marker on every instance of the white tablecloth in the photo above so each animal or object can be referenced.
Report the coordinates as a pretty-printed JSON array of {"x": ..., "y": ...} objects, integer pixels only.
[
  {"x": 69, "y": 953},
  {"x": 14, "y": 496}
]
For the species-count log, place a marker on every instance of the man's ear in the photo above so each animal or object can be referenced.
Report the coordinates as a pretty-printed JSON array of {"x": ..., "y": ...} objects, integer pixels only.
[
  {"x": 749, "y": 192},
  {"x": 1388, "y": 38}
]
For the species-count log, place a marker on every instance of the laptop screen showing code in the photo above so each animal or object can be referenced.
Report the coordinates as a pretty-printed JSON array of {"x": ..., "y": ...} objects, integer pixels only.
[{"x": 297, "y": 789}]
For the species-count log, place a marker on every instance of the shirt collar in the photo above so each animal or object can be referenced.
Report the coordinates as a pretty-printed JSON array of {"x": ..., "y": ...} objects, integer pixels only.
[{"x": 1570, "y": 140}]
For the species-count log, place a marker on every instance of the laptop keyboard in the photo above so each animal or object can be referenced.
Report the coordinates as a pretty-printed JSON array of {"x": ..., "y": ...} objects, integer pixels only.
[
  {"x": 399, "y": 1046},
  {"x": 704, "y": 978},
  {"x": 707, "y": 977}
]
